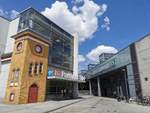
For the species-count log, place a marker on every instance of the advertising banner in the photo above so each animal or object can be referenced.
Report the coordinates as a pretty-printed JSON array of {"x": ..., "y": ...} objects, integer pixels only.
[
  {"x": 50, "y": 73},
  {"x": 58, "y": 73}
]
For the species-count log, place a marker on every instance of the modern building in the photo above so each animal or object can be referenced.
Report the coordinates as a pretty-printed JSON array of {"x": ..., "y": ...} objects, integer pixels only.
[
  {"x": 125, "y": 74},
  {"x": 105, "y": 56},
  {"x": 38, "y": 60}
]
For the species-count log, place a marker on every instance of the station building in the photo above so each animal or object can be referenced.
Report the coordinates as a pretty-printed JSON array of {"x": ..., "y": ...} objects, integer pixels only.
[
  {"x": 38, "y": 60},
  {"x": 125, "y": 74}
]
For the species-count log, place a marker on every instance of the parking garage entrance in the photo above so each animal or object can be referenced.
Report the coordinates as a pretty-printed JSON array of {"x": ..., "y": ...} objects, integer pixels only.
[{"x": 112, "y": 84}]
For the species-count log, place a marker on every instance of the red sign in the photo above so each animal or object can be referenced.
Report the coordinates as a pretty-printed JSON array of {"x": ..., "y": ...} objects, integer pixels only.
[{"x": 58, "y": 73}]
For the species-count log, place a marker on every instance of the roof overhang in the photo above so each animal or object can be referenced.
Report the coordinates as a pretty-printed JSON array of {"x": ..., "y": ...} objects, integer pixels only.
[
  {"x": 6, "y": 57},
  {"x": 65, "y": 79}
]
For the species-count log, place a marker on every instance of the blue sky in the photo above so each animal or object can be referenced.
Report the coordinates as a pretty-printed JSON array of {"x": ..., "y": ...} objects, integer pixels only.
[{"x": 129, "y": 21}]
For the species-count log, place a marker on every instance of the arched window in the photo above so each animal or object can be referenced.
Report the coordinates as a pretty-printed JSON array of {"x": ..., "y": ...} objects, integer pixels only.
[
  {"x": 35, "y": 68},
  {"x": 11, "y": 97},
  {"x": 13, "y": 75},
  {"x": 16, "y": 75},
  {"x": 41, "y": 68},
  {"x": 30, "y": 68}
]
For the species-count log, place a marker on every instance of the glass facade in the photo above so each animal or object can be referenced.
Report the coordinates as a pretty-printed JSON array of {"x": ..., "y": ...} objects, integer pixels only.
[
  {"x": 131, "y": 81},
  {"x": 32, "y": 20},
  {"x": 61, "y": 48},
  {"x": 61, "y": 51}
]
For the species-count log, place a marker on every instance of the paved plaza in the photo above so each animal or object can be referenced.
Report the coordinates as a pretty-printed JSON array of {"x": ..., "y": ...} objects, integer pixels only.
[
  {"x": 103, "y": 105},
  {"x": 84, "y": 105}
]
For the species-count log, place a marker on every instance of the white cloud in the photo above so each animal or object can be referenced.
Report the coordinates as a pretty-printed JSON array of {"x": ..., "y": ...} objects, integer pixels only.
[
  {"x": 103, "y": 9},
  {"x": 13, "y": 14},
  {"x": 77, "y": 1},
  {"x": 1, "y": 12},
  {"x": 81, "y": 20},
  {"x": 81, "y": 58},
  {"x": 106, "y": 24},
  {"x": 94, "y": 53}
]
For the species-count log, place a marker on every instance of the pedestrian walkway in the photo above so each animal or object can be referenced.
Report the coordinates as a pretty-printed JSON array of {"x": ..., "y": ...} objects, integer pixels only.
[
  {"x": 87, "y": 104},
  {"x": 42, "y": 107}
]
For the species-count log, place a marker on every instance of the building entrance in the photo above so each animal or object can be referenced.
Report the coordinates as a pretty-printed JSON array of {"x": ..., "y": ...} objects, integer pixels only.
[
  {"x": 33, "y": 93},
  {"x": 59, "y": 89}
]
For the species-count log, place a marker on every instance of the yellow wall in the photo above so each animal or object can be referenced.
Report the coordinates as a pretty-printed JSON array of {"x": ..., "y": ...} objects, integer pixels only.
[{"x": 22, "y": 59}]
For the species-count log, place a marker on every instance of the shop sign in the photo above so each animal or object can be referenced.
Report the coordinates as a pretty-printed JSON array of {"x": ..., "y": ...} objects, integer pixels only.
[
  {"x": 58, "y": 73},
  {"x": 67, "y": 75},
  {"x": 50, "y": 73}
]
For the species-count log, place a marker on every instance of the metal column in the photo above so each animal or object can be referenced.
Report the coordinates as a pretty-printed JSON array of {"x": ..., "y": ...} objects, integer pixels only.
[
  {"x": 126, "y": 84},
  {"x": 98, "y": 86},
  {"x": 90, "y": 87}
]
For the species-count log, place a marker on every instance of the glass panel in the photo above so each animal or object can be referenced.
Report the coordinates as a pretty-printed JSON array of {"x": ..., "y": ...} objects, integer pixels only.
[
  {"x": 132, "y": 90},
  {"x": 35, "y": 68},
  {"x": 30, "y": 69},
  {"x": 61, "y": 51},
  {"x": 41, "y": 68}
]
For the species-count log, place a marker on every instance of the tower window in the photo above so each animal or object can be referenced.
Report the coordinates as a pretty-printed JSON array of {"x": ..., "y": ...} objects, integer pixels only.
[
  {"x": 41, "y": 68},
  {"x": 11, "y": 97},
  {"x": 12, "y": 77},
  {"x": 16, "y": 75},
  {"x": 35, "y": 68},
  {"x": 30, "y": 69},
  {"x": 19, "y": 46}
]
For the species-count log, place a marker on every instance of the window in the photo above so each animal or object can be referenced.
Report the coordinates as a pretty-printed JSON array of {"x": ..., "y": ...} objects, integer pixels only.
[
  {"x": 41, "y": 68},
  {"x": 35, "y": 68},
  {"x": 11, "y": 97},
  {"x": 16, "y": 75},
  {"x": 30, "y": 68},
  {"x": 12, "y": 77},
  {"x": 61, "y": 51},
  {"x": 19, "y": 46},
  {"x": 57, "y": 50},
  {"x": 146, "y": 79}
]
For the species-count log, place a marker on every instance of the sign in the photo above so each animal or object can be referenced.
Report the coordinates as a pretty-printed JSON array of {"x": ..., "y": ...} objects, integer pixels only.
[
  {"x": 50, "y": 73},
  {"x": 58, "y": 73},
  {"x": 67, "y": 75}
]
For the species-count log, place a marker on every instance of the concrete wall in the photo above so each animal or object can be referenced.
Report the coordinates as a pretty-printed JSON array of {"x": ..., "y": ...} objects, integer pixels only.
[
  {"x": 75, "y": 67},
  {"x": 75, "y": 59},
  {"x": 143, "y": 57},
  {"x": 4, "y": 25},
  {"x": 13, "y": 27},
  {"x": 7, "y": 29},
  {"x": 3, "y": 78}
]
